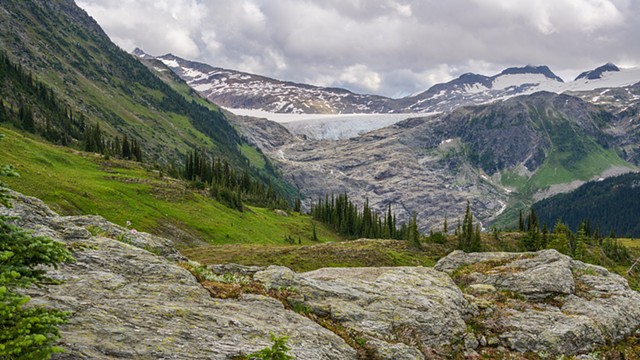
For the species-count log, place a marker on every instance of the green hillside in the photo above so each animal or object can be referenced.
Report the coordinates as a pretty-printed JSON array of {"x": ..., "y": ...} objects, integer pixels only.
[
  {"x": 611, "y": 205},
  {"x": 92, "y": 81},
  {"x": 545, "y": 139},
  {"x": 74, "y": 182}
]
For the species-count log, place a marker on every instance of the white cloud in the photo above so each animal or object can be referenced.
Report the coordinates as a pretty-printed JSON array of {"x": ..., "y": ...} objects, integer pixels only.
[
  {"x": 360, "y": 75},
  {"x": 391, "y": 47},
  {"x": 181, "y": 43},
  {"x": 550, "y": 16}
]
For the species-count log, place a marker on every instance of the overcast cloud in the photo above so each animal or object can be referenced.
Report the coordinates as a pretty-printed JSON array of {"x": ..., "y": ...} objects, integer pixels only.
[{"x": 387, "y": 47}]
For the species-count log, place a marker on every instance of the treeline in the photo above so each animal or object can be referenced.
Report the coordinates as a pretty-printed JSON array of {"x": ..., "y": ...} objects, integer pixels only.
[
  {"x": 36, "y": 109},
  {"x": 575, "y": 244},
  {"x": 229, "y": 186},
  {"x": 611, "y": 204},
  {"x": 345, "y": 218}
]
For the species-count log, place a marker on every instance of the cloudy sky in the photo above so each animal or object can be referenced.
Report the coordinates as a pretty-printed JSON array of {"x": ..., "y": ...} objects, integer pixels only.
[{"x": 387, "y": 47}]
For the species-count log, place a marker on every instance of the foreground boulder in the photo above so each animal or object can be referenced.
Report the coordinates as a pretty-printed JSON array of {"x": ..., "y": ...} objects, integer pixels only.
[
  {"x": 128, "y": 302},
  {"x": 405, "y": 312},
  {"x": 544, "y": 302}
]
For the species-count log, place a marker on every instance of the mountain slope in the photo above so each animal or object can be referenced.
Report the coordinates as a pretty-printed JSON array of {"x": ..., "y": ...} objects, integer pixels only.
[
  {"x": 610, "y": 204},
  {"x": 101, "y": 85},
  {"x": 496, "y": 156},
  {"x": 234, "y": 89},
  {"x": 75, "y": 183},
  {"x": 471, "y": 89},
  {"x": 63, "y": 47}
]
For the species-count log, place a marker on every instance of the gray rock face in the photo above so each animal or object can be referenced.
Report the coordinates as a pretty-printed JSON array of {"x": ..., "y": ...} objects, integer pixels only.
[
  {"x": 546, "y": 301},
  {"x": 416, "y": 306},
  {"x": 392, "y": 165},
  {"x": 132, "y": 301},
  {"x": 534, "y": 276},
  {"x": 128, "y": 302}
]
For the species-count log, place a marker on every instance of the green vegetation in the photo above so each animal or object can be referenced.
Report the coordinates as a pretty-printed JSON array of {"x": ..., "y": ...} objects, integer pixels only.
[
  {"x": 555, "y": 170},
  {"x": 72, "y": 182},
  {"x": 571, "y": 146},
  {"x": 26, "y": 332},
  {"x": 468, "y": 239},
  {"x": 358, "y": 253},
  {"x": 610, "y": 205},
  {"x": 64, "y": 80},
  {"x": 343, "y": 215},
  {"x": 229, "y": 186},
  {"x": 277, "y": 351}
]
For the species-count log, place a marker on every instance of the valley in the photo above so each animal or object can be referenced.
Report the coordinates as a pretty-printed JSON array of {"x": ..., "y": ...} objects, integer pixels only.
[
  {"x": 542, "y": 153},
  {"x": 184, "y": 210}
]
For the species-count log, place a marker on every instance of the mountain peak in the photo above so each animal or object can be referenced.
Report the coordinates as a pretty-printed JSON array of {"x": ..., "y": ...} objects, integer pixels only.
[
  {"x": 597, "y": 72},
  {"x": 531, "y": 69},
  {"x": 141, "y": 54}
]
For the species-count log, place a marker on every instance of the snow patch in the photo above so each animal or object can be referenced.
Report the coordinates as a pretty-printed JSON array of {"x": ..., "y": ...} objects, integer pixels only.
[{"x": 170, "y": 63}]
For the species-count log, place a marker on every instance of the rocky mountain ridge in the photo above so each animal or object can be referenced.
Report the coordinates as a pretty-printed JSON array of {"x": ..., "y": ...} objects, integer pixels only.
[
  {"x": 234, "y": 89},
  {"x": 129, "y": 298}
]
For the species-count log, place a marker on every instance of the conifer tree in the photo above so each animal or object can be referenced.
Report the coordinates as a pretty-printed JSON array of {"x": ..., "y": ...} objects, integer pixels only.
[
  {"x": 521, "y": 222},
  {"x": 314, "y": 234},
  {"x": 414, "y": 234},
  {"x": 26, "y": 332},
  {"x": 545, "y": 237},
  {"x": 3, "y": 112},
  {"x": 126, "y": 148},
  {"x": 476, "y": 245}
]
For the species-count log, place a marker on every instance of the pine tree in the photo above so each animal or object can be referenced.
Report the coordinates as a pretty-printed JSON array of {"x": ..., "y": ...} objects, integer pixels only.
[
  {"x": 25, "y": 116},
  {"x": 446, "y": 225},
  {"x": 476, "y": 245},
  {"x": 414, "y": 234},
  {"x": 545, "y": 237},
  {"x": 3, "y": 112},
  {"x": 521, "y": 222},
  {"x": 314, "y": 234},
  {"x": 126, "y": 148}
]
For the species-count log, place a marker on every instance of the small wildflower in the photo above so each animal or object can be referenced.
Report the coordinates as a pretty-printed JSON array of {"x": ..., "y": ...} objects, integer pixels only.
[
  {"x": 134, "y": 231},
  {"x": 128, "y": 223}
]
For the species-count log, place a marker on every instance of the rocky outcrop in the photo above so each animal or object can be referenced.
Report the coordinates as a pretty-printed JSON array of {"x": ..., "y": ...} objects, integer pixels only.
[
  {"x": 414, "y": 306},
  {"x": 545, "y": 301},
  {"x": 128, "y": 302},
  {"x": 128, "y": 298}
]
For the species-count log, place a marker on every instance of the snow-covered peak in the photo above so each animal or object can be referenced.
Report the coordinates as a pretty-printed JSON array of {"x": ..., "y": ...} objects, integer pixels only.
[
  {"x": 236, "y": 89},
  {"x": 605, "y": 79},
  {"x": 598, "y": 72},
  {"x": 531, "y": 70}
]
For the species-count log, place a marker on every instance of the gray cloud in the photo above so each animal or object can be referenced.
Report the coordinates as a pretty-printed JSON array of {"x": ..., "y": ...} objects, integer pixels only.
[{"x": 388, "y": 47}]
